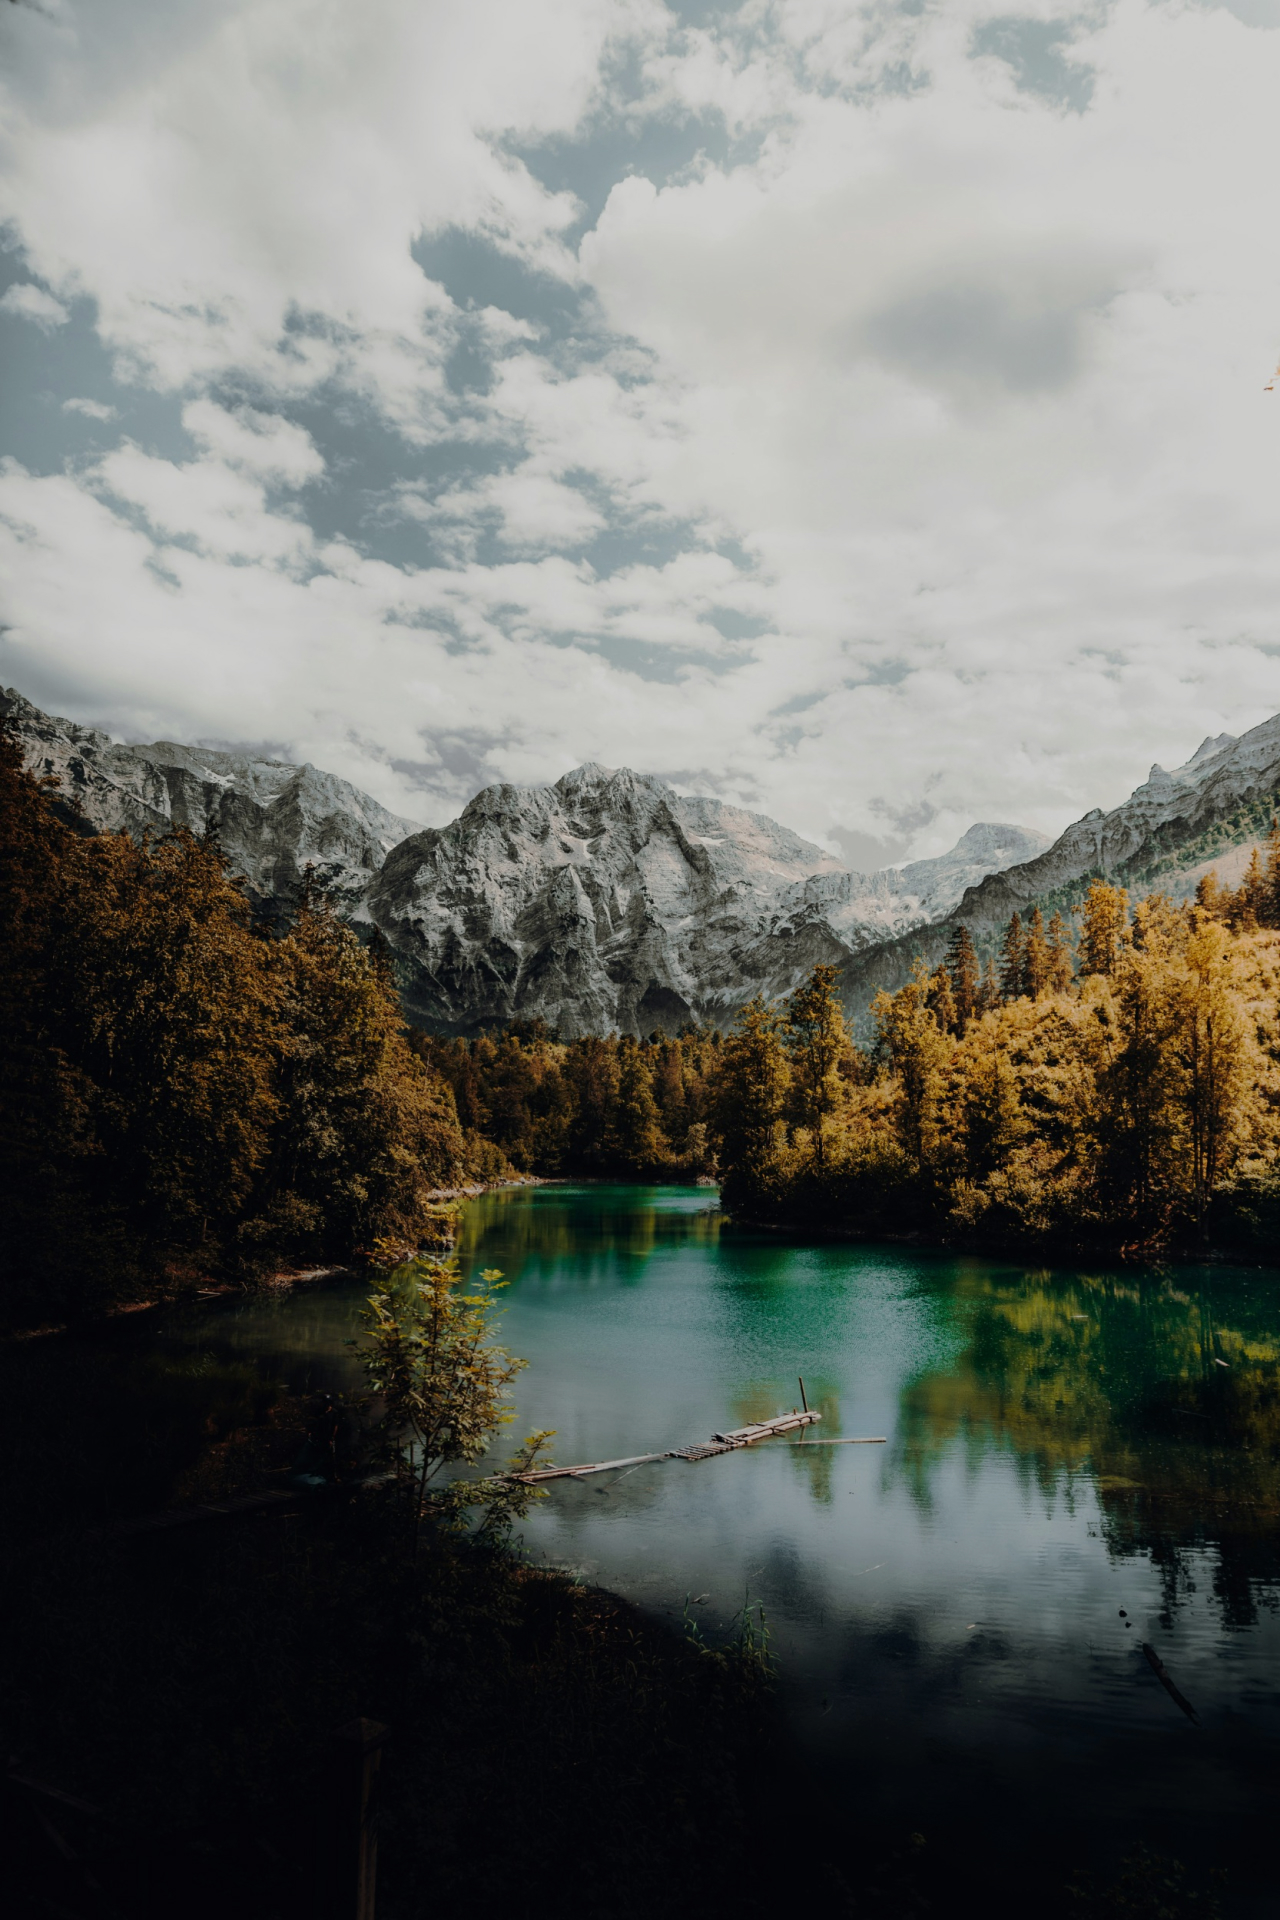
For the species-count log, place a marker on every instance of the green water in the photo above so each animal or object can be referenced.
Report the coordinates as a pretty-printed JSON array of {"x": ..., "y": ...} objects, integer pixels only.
[{"x": 946, "y": 1608}]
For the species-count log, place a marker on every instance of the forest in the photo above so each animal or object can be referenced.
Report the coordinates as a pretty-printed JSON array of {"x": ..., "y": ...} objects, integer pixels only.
[
  {"x": 1112, "y": 1085},
  {"x": 186, "y": 1092}
]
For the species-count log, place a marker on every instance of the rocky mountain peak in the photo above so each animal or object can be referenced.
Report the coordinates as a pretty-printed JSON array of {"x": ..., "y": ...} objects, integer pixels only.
[{"x": 272, "y": 819}]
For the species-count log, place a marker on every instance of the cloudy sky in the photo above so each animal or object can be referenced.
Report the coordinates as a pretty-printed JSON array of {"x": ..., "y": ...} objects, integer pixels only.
[{"x": 855, "y": 411}]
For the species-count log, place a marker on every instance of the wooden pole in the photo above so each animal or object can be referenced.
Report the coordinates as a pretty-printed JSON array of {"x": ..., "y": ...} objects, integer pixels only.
[
  {"x": 359, "y": 1745},
  {"x": 803, "y": 1402}
]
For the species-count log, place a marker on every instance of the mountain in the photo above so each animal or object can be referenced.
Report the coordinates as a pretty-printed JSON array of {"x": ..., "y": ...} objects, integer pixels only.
[
  {"x": 610, "y": 901},
  {"x": 605, "y": 901},
  {"x": 272, "y": 819},
  {"x": 1171, "y": 830}
]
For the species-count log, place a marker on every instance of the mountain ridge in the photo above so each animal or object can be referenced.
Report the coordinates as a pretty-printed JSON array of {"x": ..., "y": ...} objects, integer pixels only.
[{"x": 605, "y": 900}]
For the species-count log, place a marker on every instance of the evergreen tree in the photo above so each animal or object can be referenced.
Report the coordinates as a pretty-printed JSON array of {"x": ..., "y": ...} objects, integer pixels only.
[
  {"x": 966, "y": 982},
  {"x": 1013, "y": 961},
  {"x": 991, "y": 1115},
  {"x": 942, "y": 1002},
  {"x": 1213, "y": 1059}
]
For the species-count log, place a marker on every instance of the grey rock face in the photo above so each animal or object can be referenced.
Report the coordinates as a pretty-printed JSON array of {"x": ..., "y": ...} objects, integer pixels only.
[
  {"x": 604, "y": 902},
  {"x": 1167, "y": 812},
  {"x": 608, "y": 901},
  {"x": 272, "y": 819}
]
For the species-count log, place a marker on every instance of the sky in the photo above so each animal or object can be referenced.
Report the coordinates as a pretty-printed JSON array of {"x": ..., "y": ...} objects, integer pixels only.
[{"x": 853, "y": 411}]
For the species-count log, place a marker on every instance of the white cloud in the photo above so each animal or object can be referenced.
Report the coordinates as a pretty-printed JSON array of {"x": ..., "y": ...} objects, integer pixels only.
[
  {"x": 91, "y": 409},
  {"x": 920, "y": 454},
  {"x": 33, "y": 303}
]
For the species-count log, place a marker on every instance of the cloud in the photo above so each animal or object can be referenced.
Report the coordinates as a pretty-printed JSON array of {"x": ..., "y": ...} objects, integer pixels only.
[
  {"x": 34, "y": 304},
  {"x": 91, "y": 409},
  {"x": 893, "y": 455}
]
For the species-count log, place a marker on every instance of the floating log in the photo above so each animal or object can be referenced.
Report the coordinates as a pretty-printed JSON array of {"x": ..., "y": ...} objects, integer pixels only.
[
  {"x": 720, "y": 1443},
  {"x": 576, "y": 1473},
  {"x": 875, "y": 1440},
  {"x": 1158, "y": 1668}
]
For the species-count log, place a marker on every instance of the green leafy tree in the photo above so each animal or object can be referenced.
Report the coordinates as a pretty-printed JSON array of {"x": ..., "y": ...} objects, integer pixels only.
[{"x": 432, "y": 1357}]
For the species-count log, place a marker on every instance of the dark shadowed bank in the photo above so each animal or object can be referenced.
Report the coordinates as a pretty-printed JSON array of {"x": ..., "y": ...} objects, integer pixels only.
[{"x": 552, "y": 1748}]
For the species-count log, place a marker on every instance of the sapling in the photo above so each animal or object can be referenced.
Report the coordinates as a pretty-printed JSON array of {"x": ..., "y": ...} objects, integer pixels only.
[{"x": 432, "y": 1358}]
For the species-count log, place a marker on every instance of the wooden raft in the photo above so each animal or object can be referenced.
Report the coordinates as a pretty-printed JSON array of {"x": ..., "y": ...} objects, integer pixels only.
[{"x": 719, "y": 1443}]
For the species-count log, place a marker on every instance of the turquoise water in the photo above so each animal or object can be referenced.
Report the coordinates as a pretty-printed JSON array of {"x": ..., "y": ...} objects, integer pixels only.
[{"x": 946, "y": 1608}]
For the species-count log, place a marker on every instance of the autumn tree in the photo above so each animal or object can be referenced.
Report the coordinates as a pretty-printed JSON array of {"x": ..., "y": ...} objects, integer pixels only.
[
  {"x": 816, "y": 1042},
  {"x": 966, "y": 981},
  {"x": 1060, "y": 970},
  {"x": 638, "y": 1139},
  {"x": 749, "y": 1102},
  {"x": 1013, "y": 960},
  {"x": 909, "y": 1037},
  {"x": 1105, "y": 924},
  {"x": 1037, "y": 964}
]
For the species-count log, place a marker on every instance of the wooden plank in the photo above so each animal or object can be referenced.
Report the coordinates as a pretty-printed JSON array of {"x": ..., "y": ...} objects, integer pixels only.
[
  {"x": 763, "y": 1429},
  {"x": 877, "y": 1440},
  {"x": 720, "y": 1443},
  {"x": 595, "y": 1466}
]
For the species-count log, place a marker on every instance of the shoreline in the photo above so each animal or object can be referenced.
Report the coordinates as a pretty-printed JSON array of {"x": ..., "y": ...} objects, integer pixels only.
[
  {"x": 283, "y": 1280},
  {"x": 1052, "y": 1253}
]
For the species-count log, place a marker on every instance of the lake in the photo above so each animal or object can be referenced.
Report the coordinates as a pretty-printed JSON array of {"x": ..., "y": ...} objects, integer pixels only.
[{"x": 1076, "y": 1462}]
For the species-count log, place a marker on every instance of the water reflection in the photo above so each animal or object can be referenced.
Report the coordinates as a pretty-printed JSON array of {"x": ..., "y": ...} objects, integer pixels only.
[
  {"x": 1160, "y": 1389},
  {"x": 946, "y": 1608}
]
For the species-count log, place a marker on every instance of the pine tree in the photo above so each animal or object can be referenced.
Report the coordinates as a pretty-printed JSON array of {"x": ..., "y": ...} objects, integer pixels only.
[
  {"x": 966, "y": 983},
  {"x": 1013, "y": 961},
  {"x": 1060, "y": 970},
  {"x": 942, "y": 1002}
]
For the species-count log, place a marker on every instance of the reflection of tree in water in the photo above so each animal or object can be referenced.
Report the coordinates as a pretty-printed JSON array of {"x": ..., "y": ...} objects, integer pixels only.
[
  {"x": 1162, "y": 1389},
  {"x": 583, "y": 1231}
]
